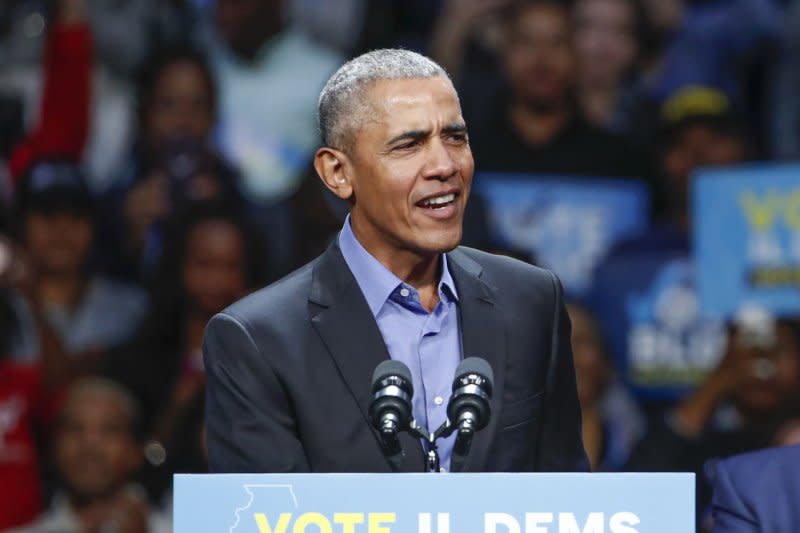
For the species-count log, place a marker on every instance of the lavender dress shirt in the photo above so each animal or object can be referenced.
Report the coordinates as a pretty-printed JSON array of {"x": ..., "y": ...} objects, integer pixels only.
[{"x": 428, "y": 343}]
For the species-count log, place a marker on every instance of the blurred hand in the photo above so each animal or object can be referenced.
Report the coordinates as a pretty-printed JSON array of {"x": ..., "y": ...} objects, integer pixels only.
[
  {"x": 147, "y": 202},
  {"x": 738, "y": 366},
  {"x": 125, "y": 513},
  {"x": 459, "y": 19},
  {"x": 735, "y": 369},
  {"x": 129, "y": 513}
]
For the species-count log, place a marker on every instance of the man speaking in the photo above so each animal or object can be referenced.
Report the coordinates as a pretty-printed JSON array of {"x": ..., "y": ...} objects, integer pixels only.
[{"x": 289, "y": 368}]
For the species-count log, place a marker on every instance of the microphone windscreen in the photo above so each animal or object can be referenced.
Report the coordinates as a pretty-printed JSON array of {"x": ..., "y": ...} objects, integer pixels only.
[
  {"x": 475, "y": 365},
  {"x": 391, "y": 367}
]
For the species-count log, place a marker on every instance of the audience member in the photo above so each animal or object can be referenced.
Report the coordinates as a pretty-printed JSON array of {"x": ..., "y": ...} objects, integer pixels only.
[
  {"x": 609, "y": 36},
  {"x": 700, "y": 129},
  {"x": 270, "y": 75},
  {"x": 97, "y": 454},
  {"x": 172, "y": 164},
  {"x": 211, "y": 259},
  {"x": 758, "y": 491},
  {"x": 539, "y": 128},
  {"x": 25, "y": 411},
  {"x": 123, "y": 32},
  {"x": 739, "y": 407},
  {"x": 611, "y": 420},
  {"x": 67, "y": 314},
  {"x": 644, "y": 291}
]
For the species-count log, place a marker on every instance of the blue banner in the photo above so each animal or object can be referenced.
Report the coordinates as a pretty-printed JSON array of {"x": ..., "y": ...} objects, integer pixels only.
[
  {"x": 747, "y": 238},
  {"x": 566, "y": 224},
  {"x": 434, "y": 503},
  {"x": 646, "y": 300}
]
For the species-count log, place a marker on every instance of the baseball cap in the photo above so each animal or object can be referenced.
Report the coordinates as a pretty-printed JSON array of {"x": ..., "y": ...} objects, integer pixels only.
[{"x": 53, "y": 186}]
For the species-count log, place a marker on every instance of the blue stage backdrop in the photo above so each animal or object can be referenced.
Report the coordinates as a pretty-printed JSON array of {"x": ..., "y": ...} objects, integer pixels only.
[
  {"x": 567, "y": 224},
  {"x": 747, "y": 238}
]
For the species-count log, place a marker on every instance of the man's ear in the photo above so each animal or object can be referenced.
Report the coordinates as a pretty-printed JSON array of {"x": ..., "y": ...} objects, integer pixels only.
[{"x": 332, "y": 167}]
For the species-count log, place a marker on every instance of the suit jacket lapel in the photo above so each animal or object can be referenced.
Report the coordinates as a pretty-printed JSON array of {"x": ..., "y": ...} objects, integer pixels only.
[
  {"x": 342, "y": 318},
  {"x": 483, "y": 335}
]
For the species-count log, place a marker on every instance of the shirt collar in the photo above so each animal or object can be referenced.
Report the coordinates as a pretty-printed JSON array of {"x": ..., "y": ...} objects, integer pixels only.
[{"x": 375, "y": 280}]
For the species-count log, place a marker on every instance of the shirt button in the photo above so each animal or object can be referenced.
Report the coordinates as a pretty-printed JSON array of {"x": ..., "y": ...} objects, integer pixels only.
[
  {"x": 438, "y": 400},
  {"x": 404, "y": 292}
]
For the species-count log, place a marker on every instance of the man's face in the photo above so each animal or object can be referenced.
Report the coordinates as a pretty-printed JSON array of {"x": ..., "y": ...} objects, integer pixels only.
[
  {"x": 95, "y": 448},
  {"x": 539, "y": 60},
  {"x": 410, "y": 169},
  {"x": 605, "y": 40},
  {"x": 767, "y": 395},
  {"x": 182, "y": 104},
  {"x": 699, "y": 146},
  {"x": 58, "y": 242},
  {"x": 214, "y": 269}
]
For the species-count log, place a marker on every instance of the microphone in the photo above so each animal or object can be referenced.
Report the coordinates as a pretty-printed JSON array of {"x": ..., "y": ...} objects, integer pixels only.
[
  {"x": 468, "y": 410},
  {"x": 390, "y": 410}
]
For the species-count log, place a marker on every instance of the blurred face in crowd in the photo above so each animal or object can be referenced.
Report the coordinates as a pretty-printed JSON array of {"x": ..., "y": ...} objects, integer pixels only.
[
  {"x": 181, "y": 105},
  {"x": 214, "y": 268},
  {"x": 591, "y": 365},
  {"x": 96, "y": 451},
  {"x": 58, "y": 242},
  {"x": 246, "y": 24},
  {"x": 409, "y": 172},
  {"x": 539, "y": 59},
  {"x": 775, "y": 378},
  {"x": 698, "y": 146},
  {"x": 605, "y": 41}
]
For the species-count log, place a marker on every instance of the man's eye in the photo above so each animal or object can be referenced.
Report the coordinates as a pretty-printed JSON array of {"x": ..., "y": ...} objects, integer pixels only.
[
  {"x": 457, "y": 137},
  {"x": 407, "y": 146}
]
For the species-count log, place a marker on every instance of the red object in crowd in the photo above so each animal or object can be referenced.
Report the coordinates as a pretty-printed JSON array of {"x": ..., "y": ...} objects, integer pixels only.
[
  {"x": 24, "y": 405},
  {"x": 64, "y": 119}
]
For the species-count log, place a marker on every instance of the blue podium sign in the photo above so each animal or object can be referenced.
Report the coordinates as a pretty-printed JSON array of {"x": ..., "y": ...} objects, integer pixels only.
[
  {"x": 434, "y": 503},
  {"x": 747, "y": 238},
  {"x": 568, "y": 224}
]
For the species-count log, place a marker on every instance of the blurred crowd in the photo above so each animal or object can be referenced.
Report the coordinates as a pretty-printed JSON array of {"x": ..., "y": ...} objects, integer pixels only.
[{"x": 155, "y": 166}]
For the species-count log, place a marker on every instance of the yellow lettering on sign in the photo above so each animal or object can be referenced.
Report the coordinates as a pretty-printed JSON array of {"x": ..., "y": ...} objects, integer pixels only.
[
  {"x": 761, "y": 212},
  {"x": 792, "y": 214},
  {"x": 280, "y": 527},
  {"x": 378, "y": 521},
  {"x": 312, "y": 519},
  {"x": 348, "y": 521}
]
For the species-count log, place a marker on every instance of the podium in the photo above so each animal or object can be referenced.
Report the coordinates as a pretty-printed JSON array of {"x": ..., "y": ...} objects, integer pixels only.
[{"x": 434, "y": 503}]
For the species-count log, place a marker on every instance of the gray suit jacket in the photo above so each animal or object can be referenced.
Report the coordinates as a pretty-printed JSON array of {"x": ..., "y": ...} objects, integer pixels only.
[{"x": 289, "y": 370}]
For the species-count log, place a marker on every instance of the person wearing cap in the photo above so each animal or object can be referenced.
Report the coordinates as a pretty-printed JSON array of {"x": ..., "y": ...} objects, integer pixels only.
[{"x": 62, "y": 309}]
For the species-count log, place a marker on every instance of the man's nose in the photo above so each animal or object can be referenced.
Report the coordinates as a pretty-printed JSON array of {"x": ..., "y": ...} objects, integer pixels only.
[{"x": 440, "y": 164}]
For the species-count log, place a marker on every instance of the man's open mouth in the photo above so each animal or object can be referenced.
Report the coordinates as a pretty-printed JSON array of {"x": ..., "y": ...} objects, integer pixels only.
[{"x": 438, "y": 202}]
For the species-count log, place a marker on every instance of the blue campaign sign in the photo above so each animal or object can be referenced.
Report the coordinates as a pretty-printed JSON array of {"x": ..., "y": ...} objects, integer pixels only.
[
  {"x": 567, "y": 224},
  {"x": 747, "y": 238},
  {"x": 434, "y": 503},
  {"x": 646, "y": 301}
]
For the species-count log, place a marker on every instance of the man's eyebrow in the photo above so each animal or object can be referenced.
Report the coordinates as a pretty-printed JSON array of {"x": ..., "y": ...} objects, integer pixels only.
[
  {"x": 413, "y": 135},
  {"x": 455, "y": 127}
]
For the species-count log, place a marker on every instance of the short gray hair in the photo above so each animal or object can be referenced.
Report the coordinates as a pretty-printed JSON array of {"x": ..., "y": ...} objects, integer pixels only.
[{"x": 342, "y": 102}]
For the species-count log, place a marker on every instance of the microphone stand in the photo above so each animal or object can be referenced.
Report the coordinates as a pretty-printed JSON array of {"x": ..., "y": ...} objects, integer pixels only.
[{"x": 432, "y": 457}]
